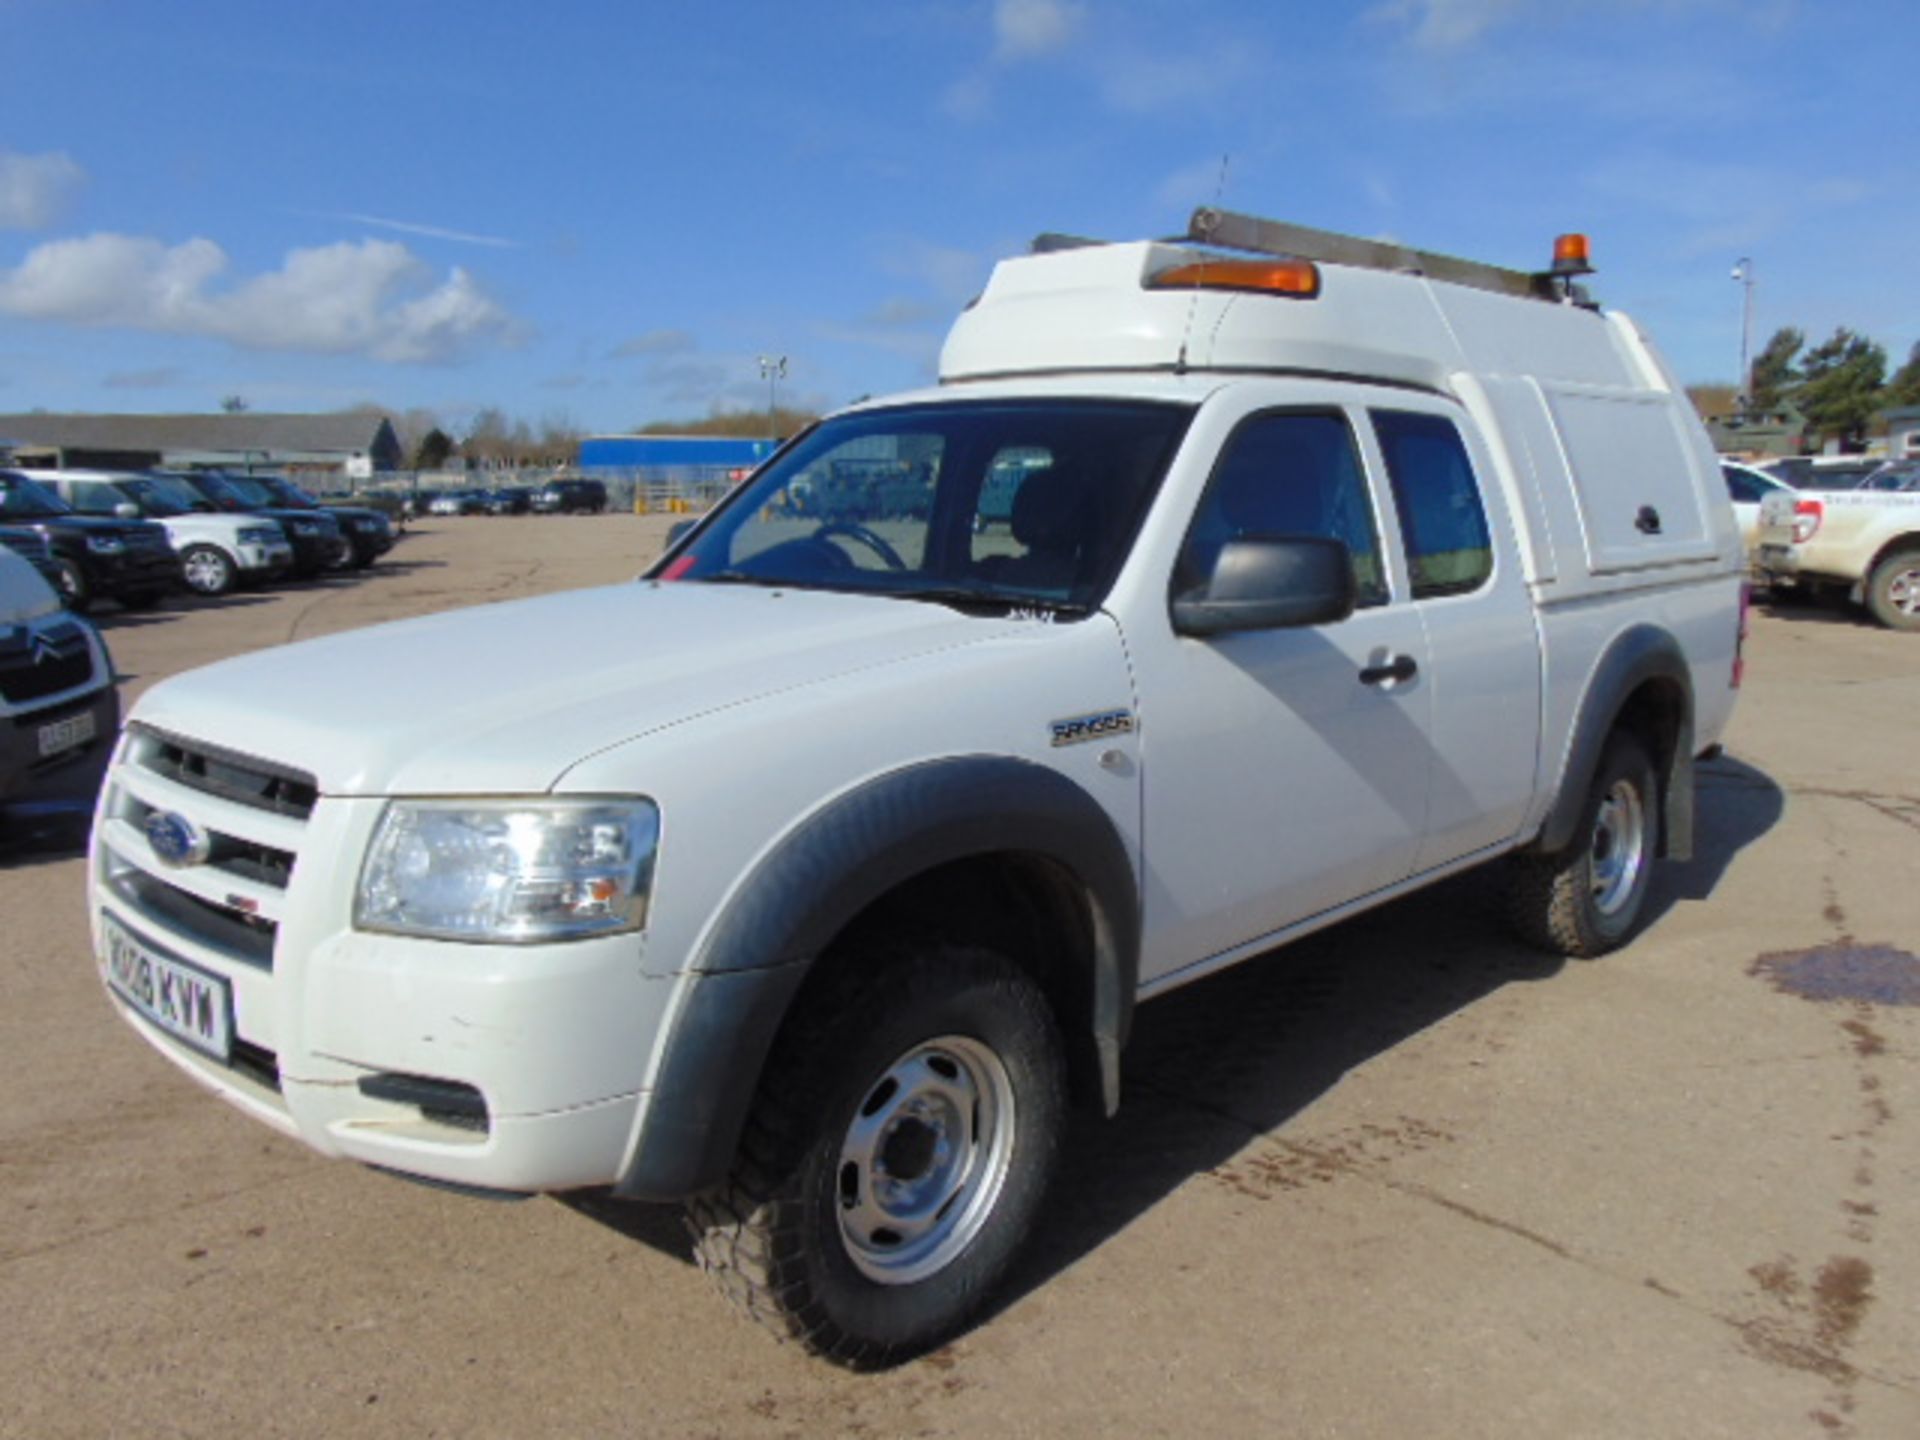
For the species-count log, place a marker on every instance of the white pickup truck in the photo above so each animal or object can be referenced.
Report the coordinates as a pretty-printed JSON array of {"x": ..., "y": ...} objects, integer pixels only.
[
  {"x": 807, "y": 879},
  {"x": 1863, "y": 542}
]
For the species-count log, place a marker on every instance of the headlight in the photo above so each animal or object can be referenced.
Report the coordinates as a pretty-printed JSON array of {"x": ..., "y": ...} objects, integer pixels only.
[
  {"x": 106, "y": 544},
  {"x": 509, "y": 871},
  {"x": 303, "y": 527}
]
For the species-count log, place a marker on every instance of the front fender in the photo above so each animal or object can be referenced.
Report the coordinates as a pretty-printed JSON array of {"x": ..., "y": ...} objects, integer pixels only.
[{"x": 819, "y": 878}]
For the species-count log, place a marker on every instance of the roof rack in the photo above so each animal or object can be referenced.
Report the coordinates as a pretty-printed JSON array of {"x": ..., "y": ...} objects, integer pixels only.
[{"x": 1227, "y": 230}]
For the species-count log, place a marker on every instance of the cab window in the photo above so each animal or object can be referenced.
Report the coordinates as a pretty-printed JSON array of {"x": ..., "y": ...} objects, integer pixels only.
[
  {"x": 1442, "y": 522},
  {"x": 1289, "y": 473}
]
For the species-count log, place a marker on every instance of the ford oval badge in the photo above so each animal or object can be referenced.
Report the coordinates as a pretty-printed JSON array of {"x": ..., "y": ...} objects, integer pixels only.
[{"x": 176, "y": 839}]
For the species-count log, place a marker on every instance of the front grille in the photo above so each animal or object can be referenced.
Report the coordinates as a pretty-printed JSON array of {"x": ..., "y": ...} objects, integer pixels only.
[
  {"x": 152, "y": 542},
  {"x": 28, "y": 546},
  {"x": 37, "y": 663},
  {"x": 246, "y": 938},
  {"x": 258, "y": 1064},
  {"x": 230, "y": 776}
]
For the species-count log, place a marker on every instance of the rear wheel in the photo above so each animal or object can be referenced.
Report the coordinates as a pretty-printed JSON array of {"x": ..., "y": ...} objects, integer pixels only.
[
  {"x": 1893, "y": 591},
  {"x": 1586, "y": 900},
  {"x": 207, "y": 570},
  {"x": 897, "y": 1153}
]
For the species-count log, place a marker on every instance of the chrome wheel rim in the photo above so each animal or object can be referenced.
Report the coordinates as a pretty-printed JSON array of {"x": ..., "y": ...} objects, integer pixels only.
[
  {"x": 1903, "y": 590},
  {"x": 924, "y": 1159},
  {"x": 1619, "y": 849},
  {"x": 206, "y": 571}
]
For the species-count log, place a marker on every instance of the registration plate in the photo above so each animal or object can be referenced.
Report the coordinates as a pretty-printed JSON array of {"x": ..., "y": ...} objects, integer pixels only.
[
  {"x": 65, "y": 734},
  {"x": 178, "y": 997}
]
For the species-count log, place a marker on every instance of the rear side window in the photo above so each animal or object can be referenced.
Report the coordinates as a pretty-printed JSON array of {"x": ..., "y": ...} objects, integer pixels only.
[
  {"x": 1442, "y": 521},
  {"x": 1743, "y": 487},
  {"x": 1288, "y": 473}
]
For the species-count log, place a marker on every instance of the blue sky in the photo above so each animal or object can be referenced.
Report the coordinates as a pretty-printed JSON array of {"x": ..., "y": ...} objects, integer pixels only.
[{"x": 608, "y": 210}]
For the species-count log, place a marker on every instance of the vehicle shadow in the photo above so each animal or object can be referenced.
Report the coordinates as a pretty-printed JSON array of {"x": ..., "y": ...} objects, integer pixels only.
[
  {"x": 177, "y": 607},
  {"x": 1803, "y": 609},
  {"x": 38, "y": 831},
  {"x": 1222, "y": 1066}
]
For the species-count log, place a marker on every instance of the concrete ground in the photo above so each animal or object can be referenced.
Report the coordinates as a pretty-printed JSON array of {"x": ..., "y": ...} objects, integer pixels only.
[{"x": 1403, "y": 1179}]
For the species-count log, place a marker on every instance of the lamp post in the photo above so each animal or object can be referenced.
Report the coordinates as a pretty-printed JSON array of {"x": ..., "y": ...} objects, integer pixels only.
[
  {"x": 1743, "y": 272},
  {"x": 773, "y": 369}
]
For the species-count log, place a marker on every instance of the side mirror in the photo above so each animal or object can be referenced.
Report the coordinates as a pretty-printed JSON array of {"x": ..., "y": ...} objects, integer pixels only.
[
  {"x": 127, "y": 510},
  {"x": 1269, "y": 584}
]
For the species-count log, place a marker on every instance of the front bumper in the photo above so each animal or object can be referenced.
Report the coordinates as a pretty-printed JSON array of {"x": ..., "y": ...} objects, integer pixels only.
[
  {"x": 132, "y": 572},
  {"x": 316, "y": 552},
  {"x": 552, "y": 1043},
  {"x": 264, "y": 562},
  {"x": 27, "y": 774}
]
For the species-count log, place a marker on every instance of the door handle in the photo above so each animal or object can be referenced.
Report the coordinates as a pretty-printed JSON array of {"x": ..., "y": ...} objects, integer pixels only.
[
  {"x": 1400, "y": 669},
  {"x": 1647, "y": 522}
]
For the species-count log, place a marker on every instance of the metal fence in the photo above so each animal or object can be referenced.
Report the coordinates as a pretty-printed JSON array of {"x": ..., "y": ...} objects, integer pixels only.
[{"x": 677, "y": 490}]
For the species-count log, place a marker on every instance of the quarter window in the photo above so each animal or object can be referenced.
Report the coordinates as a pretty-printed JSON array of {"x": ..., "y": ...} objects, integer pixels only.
[
  {"x": 1290, "y": 473},
  {"x": 1442, "y": 521}
]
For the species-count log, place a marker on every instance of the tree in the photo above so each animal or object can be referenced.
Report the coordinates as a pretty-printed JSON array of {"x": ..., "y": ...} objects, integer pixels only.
[
  {"x": 488, "y": 439},
  {"x": 234, "y": 404},
  {"x": 1773, "y": 371},
  {"x": 751, "y": 424},
  {"x": 433, "y": 450},
  {"x": 1840, "y": 387},
  {"x": 1904, "y": 388}
]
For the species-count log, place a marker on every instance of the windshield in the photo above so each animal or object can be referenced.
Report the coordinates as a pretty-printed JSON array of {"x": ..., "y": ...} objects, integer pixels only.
[
  {"x": 990, "y": 503},
  {"x": 161, "y": 495},
  {"x": 248, "y": 490},
  {"x": 284, "y": 492},
  {"x": 24, "y": 499}
]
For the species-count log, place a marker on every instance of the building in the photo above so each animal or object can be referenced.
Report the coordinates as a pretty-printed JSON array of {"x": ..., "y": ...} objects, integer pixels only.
[
  {"x": 1903, "y": 431},
  {"x": 668, "y": 458},
  {"x": 349, "y": 446}
]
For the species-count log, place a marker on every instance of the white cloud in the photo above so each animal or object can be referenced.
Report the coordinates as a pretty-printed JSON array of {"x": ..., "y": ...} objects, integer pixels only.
[
  {"x": 1025, "y": 29},
  {"x": 35, "y": 189},
  {"x": 1443, "y": 25},
  {"x": 368, "y": 297}
]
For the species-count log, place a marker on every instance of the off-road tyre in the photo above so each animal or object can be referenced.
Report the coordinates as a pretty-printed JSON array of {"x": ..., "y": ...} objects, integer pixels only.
[
  {"x": 772, "y": 1236},
  {"x": 1555, "y": 901},
  {"x": 1893, "y": 590}
]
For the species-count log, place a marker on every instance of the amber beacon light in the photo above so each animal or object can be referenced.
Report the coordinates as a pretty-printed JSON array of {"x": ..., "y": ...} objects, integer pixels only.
[{"x": 1571, "y": 255}]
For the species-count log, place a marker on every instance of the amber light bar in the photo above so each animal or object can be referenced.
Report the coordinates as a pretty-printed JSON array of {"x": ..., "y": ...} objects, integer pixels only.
[{"x": 1296, "y": 279}]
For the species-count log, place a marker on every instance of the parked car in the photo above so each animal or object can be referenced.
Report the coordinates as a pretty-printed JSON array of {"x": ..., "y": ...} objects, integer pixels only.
[
  {"x": 1821, "y": 472},
  {"x": 97, "y": 557},
  {"x": 30, "y": 545},
  {"x": 1861, "y": 544},
  {"x": 1898, "y": 478},
  {"x": 571, "y": 497},
  {"x": 58, "y": 704},
  {"x": 458, "y": 502},
  {"x": 1747, "y": 487},
  {"x": 813, "y": 910},
  {"x": 316, "y": 537},
  {"x": 217, "y": 552},
  {"x": 368, "y": 531},
  {"x": 510, "y": 500}
]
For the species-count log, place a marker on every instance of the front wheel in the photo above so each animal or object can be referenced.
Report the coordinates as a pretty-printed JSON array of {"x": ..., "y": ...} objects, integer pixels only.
[
  {"x": 75, "y": 593},
  {"x": 207, "y": 570},
  {"x": 1893, "y": 591},
  {"x": 1586, "y": 900},
  {"x": 899, "y": 1148}
]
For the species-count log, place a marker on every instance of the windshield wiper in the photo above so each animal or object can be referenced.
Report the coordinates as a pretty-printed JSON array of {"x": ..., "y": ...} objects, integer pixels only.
[{"x": 986, "y": 602}]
